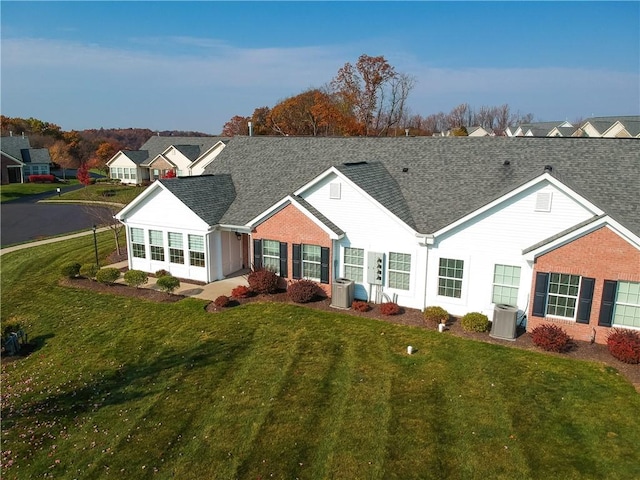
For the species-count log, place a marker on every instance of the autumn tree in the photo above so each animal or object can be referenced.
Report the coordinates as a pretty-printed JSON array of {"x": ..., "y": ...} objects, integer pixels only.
[
  {"x": 169, "y": 174},
  {"x": 238, "y": 125},
  {"x": 260, "y": 121},
  {"x": 59, "y": 153},
  {"x": 82, "y": 174},
  {"x": 105, "y": 151}
]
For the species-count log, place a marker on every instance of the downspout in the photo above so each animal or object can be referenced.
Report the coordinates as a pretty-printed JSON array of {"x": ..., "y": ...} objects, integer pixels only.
[{"x": 426, "y": 241}]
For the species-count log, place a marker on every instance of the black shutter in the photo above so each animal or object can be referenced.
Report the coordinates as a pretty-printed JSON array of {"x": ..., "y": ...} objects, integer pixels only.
[
  {"x": 297, "y": 260},
  {"x": 584, "y": 302},
  {"x": 284, "y": 265},
  {"x": 540, "y": 294},
  {"x": 608, "y": 302},
  {"x": 257, "y": 254},
  {"x": 324, "y": 265}
]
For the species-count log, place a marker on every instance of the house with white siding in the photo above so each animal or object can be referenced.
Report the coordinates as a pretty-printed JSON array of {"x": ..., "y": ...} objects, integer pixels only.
[{"x": 457, "y": 222}]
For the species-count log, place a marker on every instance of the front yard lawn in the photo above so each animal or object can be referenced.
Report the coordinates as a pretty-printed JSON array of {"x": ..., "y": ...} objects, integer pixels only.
[{"x": 14, "y": 191}]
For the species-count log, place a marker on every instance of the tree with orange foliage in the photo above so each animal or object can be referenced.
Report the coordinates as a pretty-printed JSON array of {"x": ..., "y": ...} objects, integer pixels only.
[
  {"x": 238, "y": 125},
  {"x": 59, "y": 153}
]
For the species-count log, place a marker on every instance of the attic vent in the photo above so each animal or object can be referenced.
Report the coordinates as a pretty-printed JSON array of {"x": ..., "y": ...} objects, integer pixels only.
[
  {"x": 353, "y": 164},
  {"x": 335, "y": 190},
  {"x": 543, "y": 202}
]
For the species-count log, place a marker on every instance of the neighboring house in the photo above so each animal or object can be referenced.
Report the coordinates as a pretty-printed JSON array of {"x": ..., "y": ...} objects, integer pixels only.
[
  {"x": 19, "y": 160},
  {"x": 541, "y": 129},
  {"x": 547, "y": 225},
  {"x": 610, "y": 127},
  {"x": 185, "y": 156}
]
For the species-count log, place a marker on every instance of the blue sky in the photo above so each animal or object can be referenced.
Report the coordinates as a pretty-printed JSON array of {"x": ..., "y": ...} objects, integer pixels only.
[{"x": 194, "y": 65}]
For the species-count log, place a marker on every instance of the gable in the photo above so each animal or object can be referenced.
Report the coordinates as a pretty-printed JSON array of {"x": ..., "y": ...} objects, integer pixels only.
[{"x": 120, "y": 159}]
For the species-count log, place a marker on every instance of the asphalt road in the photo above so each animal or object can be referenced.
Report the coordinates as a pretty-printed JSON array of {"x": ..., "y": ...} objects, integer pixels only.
[{"x": 25, "y": 220}]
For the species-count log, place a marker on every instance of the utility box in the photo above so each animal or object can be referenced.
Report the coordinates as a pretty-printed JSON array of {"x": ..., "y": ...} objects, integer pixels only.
[
  {"x": 375, "y": 268},
  {"x": 342, "y": 291},
  {"x": 504, "y": 322}
]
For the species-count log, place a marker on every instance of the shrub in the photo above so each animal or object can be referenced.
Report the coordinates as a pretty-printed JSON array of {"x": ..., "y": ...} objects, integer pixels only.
[
  {"x": 263, "y": 281},
  {"x": 135, "y": 278},
  {"x": 89, "y": 270},
  {"x": 162, "y": 273},
  {"x": 241, "y": 291},
  {"x": 71, "y": 270},
  {"x": 168, "y": 283},
  {"x": 108, "y": 275},
  {"x": 41, "y": 178},
  {"x": 624, "y": 344},
  {"x": 389, "y": 308},
  {"x": 475, "y": 322},
  {"x": 302, "y": 291},
  {"x": 360, "y": 306},
  {"x": 436, "y": 315},
  {"x": 222, "y": 301},
  {"x": 551, "y": 338}
]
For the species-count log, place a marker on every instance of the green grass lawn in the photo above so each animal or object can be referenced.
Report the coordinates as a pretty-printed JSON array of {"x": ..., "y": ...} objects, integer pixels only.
[
  {"x": 127, "y": 388},
  {"x": 104, "y": 193},
  {"x": 14, "y": 191}
]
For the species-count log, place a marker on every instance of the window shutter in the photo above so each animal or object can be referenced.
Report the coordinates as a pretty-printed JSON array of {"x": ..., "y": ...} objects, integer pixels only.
[
  {"x": 324, "y": 265},
  {"x": 257, "y": 254},
  {"x": 608, "y": 302},
  {"x": 297, "y": 260},
  {"x": 540, "y": 294},
  {"x": 283, "y": 260},
  {"x": 584, "y": 302}
]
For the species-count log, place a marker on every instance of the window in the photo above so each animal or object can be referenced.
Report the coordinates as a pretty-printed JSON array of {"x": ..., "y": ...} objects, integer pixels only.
[
  {"x": 176, "y": 252},
  {"x": 506, "y": 280},
  {"x": 399, "y": 270},
  {"x": 133, "y": 173},
  {"x": 563, "y": 295},
  {"x": 627, "y": 308},
  {"x": 137, "y": 242},
  {"x": 157, "y": 246},
  {"x": 354, "y": 264},
  {"x": 196, "y": 250},
  {"x": 311, "y": 261},
  {"x": 271, "y": 255},
  {"x": 450, "y": 277},
  {"x": 126, "y": 173}
]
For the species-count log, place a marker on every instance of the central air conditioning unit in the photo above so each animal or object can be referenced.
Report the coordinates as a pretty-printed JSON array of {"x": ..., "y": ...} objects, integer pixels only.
[
  {"x": 504, "y": 322},
  {"x": 342, "y": 292}
]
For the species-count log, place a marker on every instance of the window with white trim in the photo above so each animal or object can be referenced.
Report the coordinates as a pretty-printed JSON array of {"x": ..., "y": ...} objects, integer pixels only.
[
  {"x": 271, "y": 255},
  {"x": 133, "y": 173},
  {"x": 562, "y": 298},
  {"x": 506, "y": 280},
  {"x": 176, "y": 249},
  {"x": 399, "y": 272},
  {"x": 354, "y": 264},
  {"x": 196, "y": 250},
  {"x": 450, "y": 276},
  {"x": 156, "y": 245},
  {"x": 137, "y": 242},
  {"x": 311, "y": 262},
  {"x": 627, "y": 309}
]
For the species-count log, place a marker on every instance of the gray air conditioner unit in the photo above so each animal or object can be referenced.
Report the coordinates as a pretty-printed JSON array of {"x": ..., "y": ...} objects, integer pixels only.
[
  {"x": 342, "y": 291},
  {"x": 504, "y": 322}
]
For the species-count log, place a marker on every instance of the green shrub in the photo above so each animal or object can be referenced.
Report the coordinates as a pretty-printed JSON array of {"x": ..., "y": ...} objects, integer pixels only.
[
  {"x": 624, "y": 344},
  {"x": 302, "y": 291},
  {"x": 162, "y": 273},
  {"x": 168, "y": 283},
  {"x": 263, "y": 281},
  {"x": 71, "y": 270},
  {"x": 436, "y": 315},
  {"x": 551, "y": 338},
  {"x": 135, "y": 278},
  {"x": 108, "y": 275},
  {"x": 475, "y": 322},
  {"x": 89, "y": 270}
]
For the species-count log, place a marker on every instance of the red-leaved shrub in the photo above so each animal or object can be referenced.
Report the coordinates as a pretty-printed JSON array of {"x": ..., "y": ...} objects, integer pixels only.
[
  {"x": 41, "y": 178},
  {"x": 389, "y": 308},
  {"x": 624, "y": 344},
  {"x": 302, "y": 291},
  {"x": 222, "y": 301},
  {"x": 360, "y": 306},
  {"x": 551, "y": 338},
  {"x": 263, "y": 281},
  {"x": 241, "y": 291}
]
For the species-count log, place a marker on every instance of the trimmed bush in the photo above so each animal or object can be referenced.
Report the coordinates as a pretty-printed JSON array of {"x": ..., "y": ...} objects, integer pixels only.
[
  {"x": 360, "y": 306},
  {"x": 162, "y": 273},
  {"x": 135, "y": 278},
  {"x": 263, "y": 281},
  {"x": 624, "y": 344},
  {"x": 389, "y": 308},
  {"x": 108, "y": 275},
  {"x": 71, "y": 270},
  {"x": 475, "y": 322},
  {"x": 222, "y": 301},
  {"x": 168, "y": 283},
  {"x": 241, "y": 291},
  {"x": 41, "y": 178},
  {"x": 551, "y": 338},
  {"x": 302, "y": 291},
  {"x": 436, "y": 315},
  {"x": 89, "y": 270}
]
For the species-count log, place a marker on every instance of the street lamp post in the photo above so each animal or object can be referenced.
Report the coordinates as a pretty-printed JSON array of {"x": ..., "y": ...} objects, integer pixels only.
[{"x": 95, "y": 245}]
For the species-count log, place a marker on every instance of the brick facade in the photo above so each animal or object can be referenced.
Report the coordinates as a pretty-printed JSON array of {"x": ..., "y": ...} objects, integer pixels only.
[
  {"x": 602, "y": 255},
  {"x": 291, "y": 226}
]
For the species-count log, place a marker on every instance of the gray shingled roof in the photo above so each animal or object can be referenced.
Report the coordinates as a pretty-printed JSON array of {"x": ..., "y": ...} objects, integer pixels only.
[
  {"x": 13, "y": 146},
  {"x": 36, "y": 155},
  {"x": 137, "y": 156},
  {"x": 156, "y": 144},
  {"x": 447, "y": 178}
]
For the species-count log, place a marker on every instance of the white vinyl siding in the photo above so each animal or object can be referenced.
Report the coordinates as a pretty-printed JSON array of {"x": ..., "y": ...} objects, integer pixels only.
[
  {"x": 627, "y": 308},
  {"x": 399, "y": 270},
  {"x": 506, "y": 280},
  {"x": 271, "y": 256},
  {"x": 157, "y": 245},
  {"x": 450, "y": 277},
  {"x": 354, "y": 264},
  {"x": 562, "y": 299}
]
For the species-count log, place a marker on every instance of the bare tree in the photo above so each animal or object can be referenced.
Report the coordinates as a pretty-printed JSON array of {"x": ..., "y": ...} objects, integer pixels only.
[{"x": 103, "y": 215}]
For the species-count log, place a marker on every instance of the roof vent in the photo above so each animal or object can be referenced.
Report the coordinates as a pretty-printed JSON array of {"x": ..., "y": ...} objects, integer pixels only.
[
  {"x": 507, "y": 163},
  {"x": 405, "y": 169},
  {"x": 548, "y": 168},
  {"x": 353, "y": 164}
]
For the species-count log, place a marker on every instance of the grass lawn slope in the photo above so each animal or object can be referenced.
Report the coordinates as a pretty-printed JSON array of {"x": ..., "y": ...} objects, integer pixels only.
[{"x": 126, "y": 388}]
